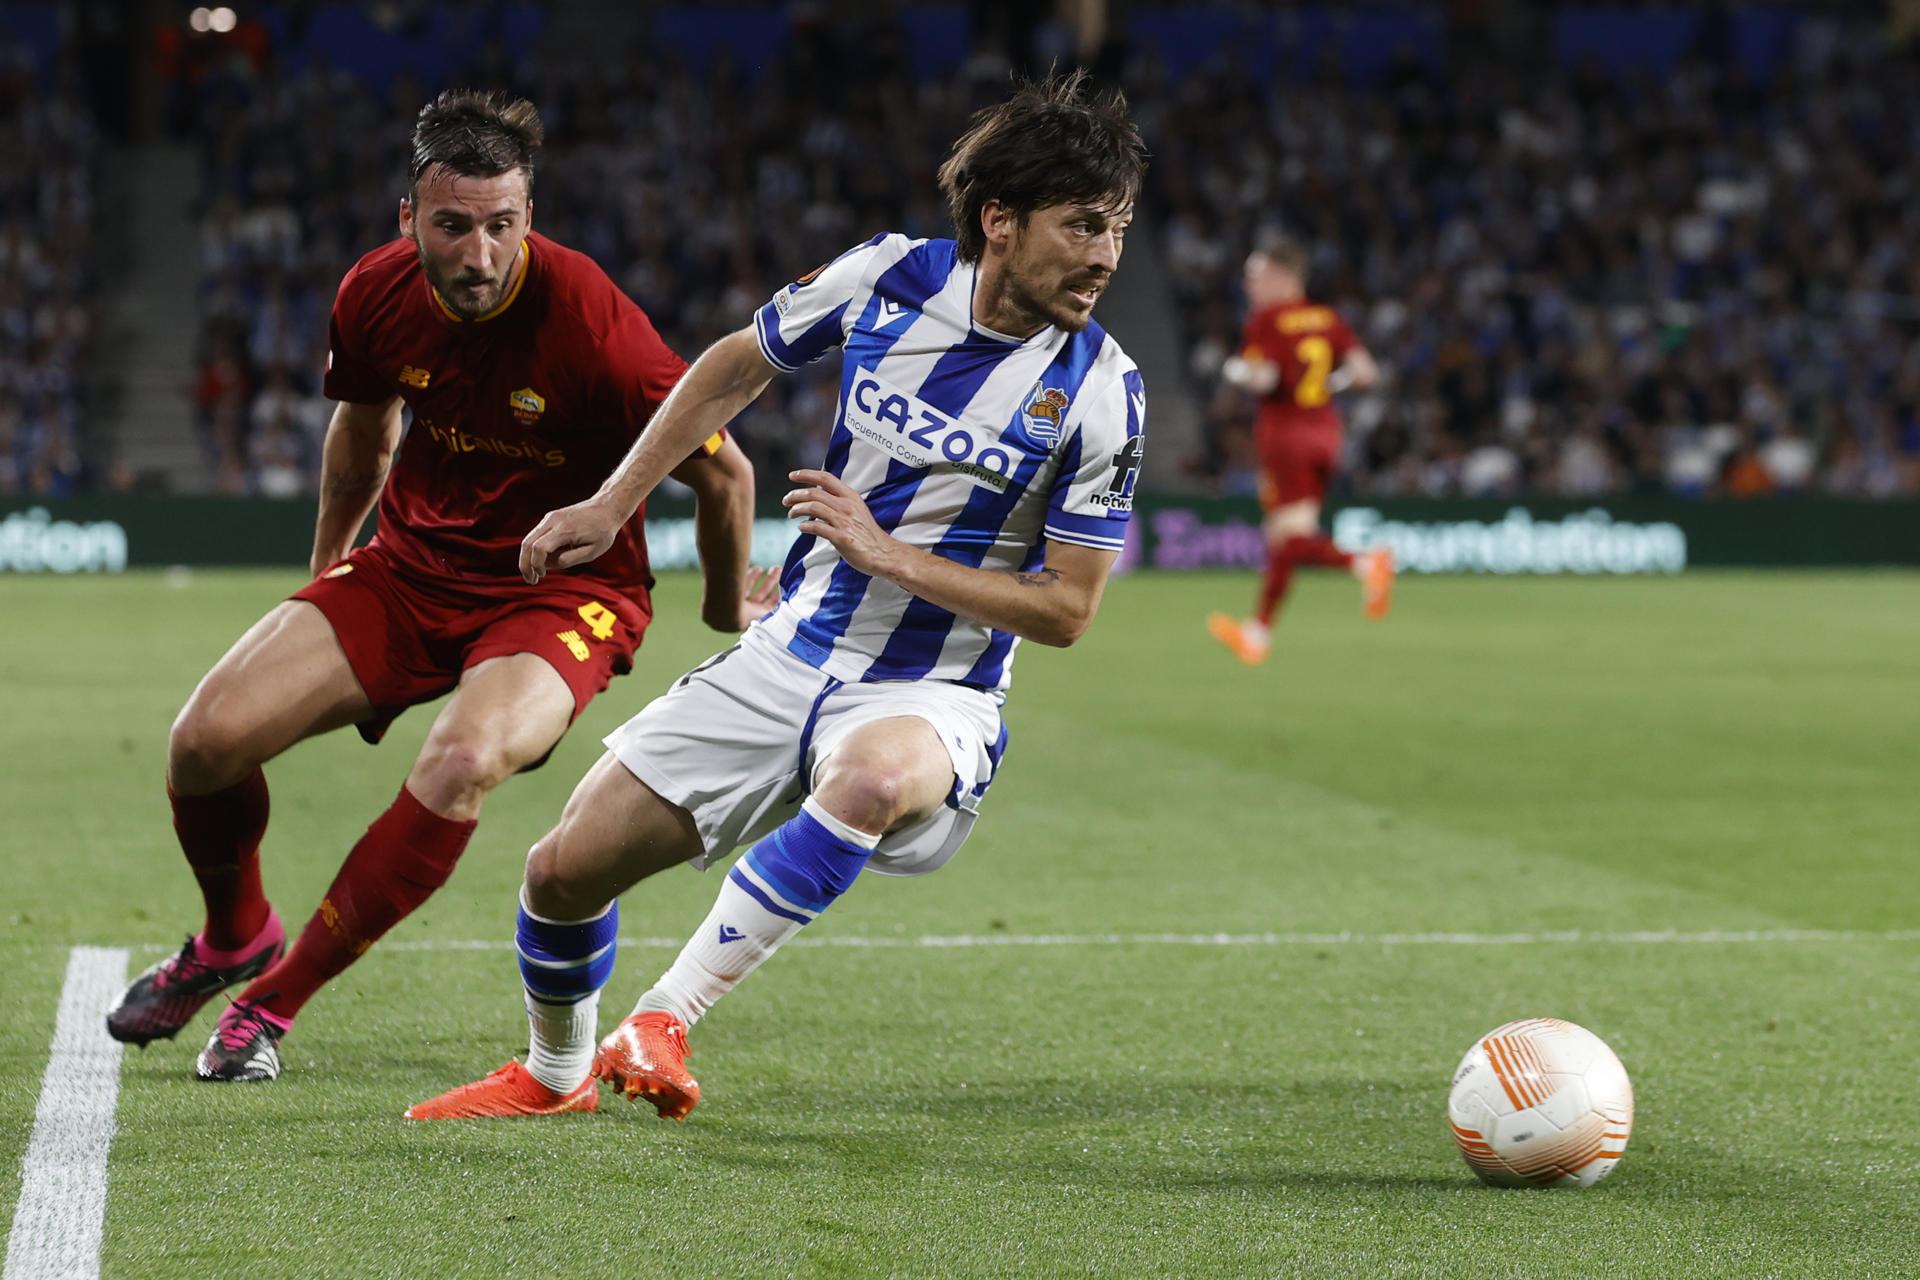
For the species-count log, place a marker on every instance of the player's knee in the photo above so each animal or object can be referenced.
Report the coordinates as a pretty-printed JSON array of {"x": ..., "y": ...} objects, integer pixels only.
[
  {"x": 551, "y": 890},
  {"x": 205, "y": 751},
  {"x": 1291, "y": 521},
  {"x": 871, "y": 792},
  {"x": 543, "y": 875},
  {"x": 462, "y": 766}
]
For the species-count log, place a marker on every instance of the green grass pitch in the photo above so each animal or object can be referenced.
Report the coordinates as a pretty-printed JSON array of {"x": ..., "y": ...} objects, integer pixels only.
[{"x": 1728, "y": 752}]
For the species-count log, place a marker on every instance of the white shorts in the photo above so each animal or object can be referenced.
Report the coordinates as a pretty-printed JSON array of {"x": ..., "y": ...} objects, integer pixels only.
[{"x": 735, "y": 742}]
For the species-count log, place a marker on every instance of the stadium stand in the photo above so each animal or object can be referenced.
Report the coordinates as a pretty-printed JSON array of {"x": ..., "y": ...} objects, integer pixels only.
[
  {"x": 698, "y": 213},
  {"x": 49, "y": 152},
  {"x": 1656, "y": 250},
  {"x": 1675, "y": 258}
]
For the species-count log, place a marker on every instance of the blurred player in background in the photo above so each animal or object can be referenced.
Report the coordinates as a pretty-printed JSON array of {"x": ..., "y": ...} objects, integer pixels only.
[
  {"x": 529, "y": 375},
  {"x": 976, "y": 490},
  {"x": 1296, "y": 355}
]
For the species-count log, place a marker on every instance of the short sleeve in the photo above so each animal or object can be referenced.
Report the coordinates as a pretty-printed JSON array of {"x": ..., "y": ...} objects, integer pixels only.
[
  {"x": 350, "y": 376},
  {"x": 1092, "y": 498},
  {"x": 635, "y": 370},
  {"x": 809, "y": 317}
]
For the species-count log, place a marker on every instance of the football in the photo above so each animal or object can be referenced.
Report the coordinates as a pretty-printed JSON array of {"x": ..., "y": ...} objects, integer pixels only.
[{"x": 1541, "y": 1103}]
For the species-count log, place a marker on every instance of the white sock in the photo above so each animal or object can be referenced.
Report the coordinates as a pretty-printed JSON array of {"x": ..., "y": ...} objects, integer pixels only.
[
  {"x": 561, "y": 1042},
  {"x": 708, "y": 967},
  {"x": 750, "y": 920}
]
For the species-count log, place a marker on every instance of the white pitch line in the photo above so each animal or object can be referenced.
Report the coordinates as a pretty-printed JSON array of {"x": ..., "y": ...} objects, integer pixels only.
[
  {"x": 1559, "y": 937},
  {"x": 1582, "y": 937},
  {"x": 63, "y": 1176}
]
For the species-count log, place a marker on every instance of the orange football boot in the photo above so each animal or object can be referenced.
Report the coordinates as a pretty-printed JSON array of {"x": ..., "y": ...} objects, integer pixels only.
[
  {"x": 646, "y": 1057},
  {"x": 510, "y": 1091},
  {"x": 1376, "y": 572},
  {"x": 1249, "y": 641}
]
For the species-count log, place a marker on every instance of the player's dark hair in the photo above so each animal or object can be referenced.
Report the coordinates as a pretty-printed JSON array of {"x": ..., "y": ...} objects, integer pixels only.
[
  {"x": 1053, "y": 142},
  {"x": 1284, "y": 251},
  {"x": 477, "y": 134}
]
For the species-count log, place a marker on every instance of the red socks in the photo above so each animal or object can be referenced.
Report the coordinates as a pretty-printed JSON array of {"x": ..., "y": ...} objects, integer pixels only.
[
  {"x": 407, "y": 853},
  {"x": 220, "y": 834},
  {"x": 1301, "y": 549},
  {"x": 1317, "y": 549}
]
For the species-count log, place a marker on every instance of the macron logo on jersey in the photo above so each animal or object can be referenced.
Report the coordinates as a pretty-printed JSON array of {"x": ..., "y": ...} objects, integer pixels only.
[{"x": 919, "y": 435}]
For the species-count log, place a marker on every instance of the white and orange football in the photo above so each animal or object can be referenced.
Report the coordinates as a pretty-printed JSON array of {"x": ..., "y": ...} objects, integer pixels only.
[{"x": 1541, "y": 1103}]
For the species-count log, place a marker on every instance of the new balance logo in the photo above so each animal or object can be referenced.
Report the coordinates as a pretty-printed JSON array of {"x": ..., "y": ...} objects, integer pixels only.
[{"x": 730, "y": 934}]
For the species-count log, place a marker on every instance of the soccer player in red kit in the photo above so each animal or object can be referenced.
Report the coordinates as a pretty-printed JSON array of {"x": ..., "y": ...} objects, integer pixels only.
[
  {"x": 528, "y": 375},
  {"x": 1296, "y": 355}
]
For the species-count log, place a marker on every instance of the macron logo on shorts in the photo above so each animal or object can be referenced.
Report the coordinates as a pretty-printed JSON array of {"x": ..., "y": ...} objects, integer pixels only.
[{"x": 730, "y": 934}]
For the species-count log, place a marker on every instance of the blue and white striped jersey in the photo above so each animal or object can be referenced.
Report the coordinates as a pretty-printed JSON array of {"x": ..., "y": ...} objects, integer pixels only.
[{"x": 973, "y": 445}]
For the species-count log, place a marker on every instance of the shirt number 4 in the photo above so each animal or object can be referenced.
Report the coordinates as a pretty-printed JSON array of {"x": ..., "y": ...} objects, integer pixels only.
[{"x": 600, "y": 622}]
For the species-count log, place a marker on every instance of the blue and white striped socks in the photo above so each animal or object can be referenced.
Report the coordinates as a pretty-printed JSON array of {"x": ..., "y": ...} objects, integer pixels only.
[
  {"x": 563, "y": 965},
  {"x": 777, "y": 886}
]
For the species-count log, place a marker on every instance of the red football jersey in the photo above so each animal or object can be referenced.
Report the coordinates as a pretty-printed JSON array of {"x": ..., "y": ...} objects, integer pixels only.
[
  {"x": 1307, "y": 342},
  {"x": 515, "y": 413}
]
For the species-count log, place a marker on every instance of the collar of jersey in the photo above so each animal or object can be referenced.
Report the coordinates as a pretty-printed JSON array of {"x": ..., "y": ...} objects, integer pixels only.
[
  {"x": 1007, "y": 338},
  {"x": 526, "y": 255}
]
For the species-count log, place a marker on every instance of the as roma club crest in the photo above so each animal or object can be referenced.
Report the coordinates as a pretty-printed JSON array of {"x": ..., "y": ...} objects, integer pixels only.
[
  {"x": 527, "y": 405},
  {"x": 1042, "y": 413}
]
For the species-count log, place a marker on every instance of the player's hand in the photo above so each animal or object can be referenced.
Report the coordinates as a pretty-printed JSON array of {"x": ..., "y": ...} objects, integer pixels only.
[
  {"x": 828, "y": 507},
  {"x": 567, "y": 537},
  {"x": 759, "y": 596},
  {"x": 1257, "y": 376}
]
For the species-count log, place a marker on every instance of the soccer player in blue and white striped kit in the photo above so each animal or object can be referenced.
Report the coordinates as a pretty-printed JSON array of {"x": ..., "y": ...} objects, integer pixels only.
[{"x": 975, "y": 492}]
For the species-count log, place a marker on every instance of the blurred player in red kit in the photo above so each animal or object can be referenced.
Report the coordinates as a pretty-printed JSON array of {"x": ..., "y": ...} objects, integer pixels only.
[
  {"x": 529, "y": 375},
  {"x": 1296, "y": 356}
]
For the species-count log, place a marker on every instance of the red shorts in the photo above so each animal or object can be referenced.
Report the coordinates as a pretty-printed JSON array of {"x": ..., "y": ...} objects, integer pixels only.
[
  {"x": 409, "y": 640},
  {"x": 1296, "y": 466}
]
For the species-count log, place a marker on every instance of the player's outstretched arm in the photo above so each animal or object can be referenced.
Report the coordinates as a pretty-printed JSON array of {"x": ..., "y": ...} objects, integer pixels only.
[
  {"x": 354, "y": 461},
  {"x": 1256, "y": 376},
  {"x": 1356, "y": 373},
  {"x": 722, "y": 485},
  {"x": 1052, "y": 605},
  {"x": 722, "y": 382}
]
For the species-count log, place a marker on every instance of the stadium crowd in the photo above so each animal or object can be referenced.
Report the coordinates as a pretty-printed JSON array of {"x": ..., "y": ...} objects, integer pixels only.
[
  {"x": 690, "y": 191},
  {"x": 49, "y": 150},
  {"x": 1577, "y": 285}
]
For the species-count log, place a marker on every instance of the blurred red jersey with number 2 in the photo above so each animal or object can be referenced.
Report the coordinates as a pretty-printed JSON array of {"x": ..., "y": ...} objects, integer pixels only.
[{"x": 1307, "y": 342}]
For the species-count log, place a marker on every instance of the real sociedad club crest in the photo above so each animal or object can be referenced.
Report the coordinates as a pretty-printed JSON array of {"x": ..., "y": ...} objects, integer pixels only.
[{"x": 1042, "y": 412}]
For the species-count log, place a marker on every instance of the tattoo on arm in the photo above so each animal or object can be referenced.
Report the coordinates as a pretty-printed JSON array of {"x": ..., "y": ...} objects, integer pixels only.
[
  {"x": 345, "y": 484},
  {"x": 1037, "y": 578}
]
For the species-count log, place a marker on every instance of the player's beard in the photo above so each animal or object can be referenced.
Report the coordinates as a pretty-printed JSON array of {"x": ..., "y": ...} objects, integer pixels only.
[
  {"x": 1045, "y": 296},
  {"x": 453, "y": 290}
]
